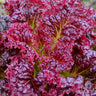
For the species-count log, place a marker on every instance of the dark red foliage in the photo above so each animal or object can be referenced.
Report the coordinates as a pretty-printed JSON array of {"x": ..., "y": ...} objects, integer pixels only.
[
  {"x": 84, "y": 56},
  {"x": 3, "y": 90},
  {"x": 91, "y": 38},
  {"x": 25, "y": 50},
  {"x": 62, "y": 53},
  {"x": 54, "y": 65},
  {"x": 71, "y": 86},
  {"x": 65, "y": 22},
  {"x": 20, "y": 75},
  {"x": 53, "y": 85},
  {"x": 46, "y": 82},
  {"x": 49, "y": 49},
  {"x": 26, "y": 10},
  {"x": 19, "y": 32},
  {"x": 61, "y": 59},
  {"x": 20, "y": 59},
  {"x": 5, "y": 53},
  {"x": 11, "y": 5}
]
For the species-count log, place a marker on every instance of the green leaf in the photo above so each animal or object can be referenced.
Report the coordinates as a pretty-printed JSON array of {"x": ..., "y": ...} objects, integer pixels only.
[
  {"x": 2, "y": 1},
  {"x": 68, "y": 73},
  {"x": 2, "y": 74},
  {"x": 65, "y": 74},
  {"x": 32, "y": 23},
  {"x": 36, "y": 68},
  {"x": 95, "y": 28}
]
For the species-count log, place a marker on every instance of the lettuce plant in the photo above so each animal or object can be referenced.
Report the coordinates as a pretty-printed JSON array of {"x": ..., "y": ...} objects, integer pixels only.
[{"x": 48, "y": 49}]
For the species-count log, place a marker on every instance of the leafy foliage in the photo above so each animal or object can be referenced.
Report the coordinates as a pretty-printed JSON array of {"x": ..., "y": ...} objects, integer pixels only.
[{"x": 48, "y": 49}]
